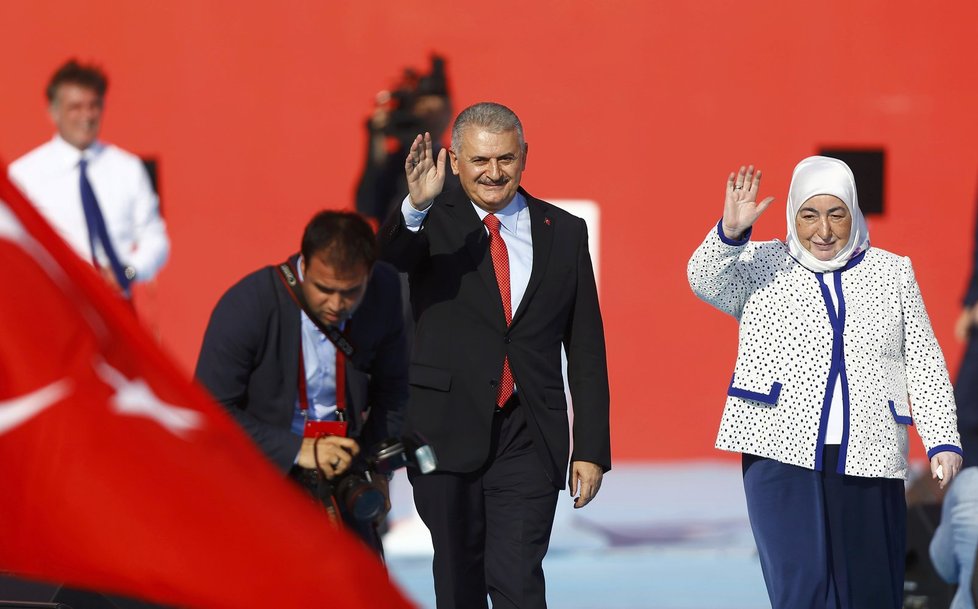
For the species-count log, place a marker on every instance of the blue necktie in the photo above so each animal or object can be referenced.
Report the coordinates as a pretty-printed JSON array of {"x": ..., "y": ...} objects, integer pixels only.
[{"x": 96, "y": 228}]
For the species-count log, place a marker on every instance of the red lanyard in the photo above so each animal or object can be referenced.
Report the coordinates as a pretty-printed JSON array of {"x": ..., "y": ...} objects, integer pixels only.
[{"x": 314, "y": 429}]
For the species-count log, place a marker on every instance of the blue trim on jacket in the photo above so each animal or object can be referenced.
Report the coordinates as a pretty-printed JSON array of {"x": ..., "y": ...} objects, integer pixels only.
[
  {"x": 855, "y": 260},
  {"x": 844, "y": 446},
  {"x": 728, "y": 240},
  {"x": 898, "y": 417},
  {"x": 771, "y": 397},
  {"x": 837, "y": 368},
  {"x": 944, "y": 448}
]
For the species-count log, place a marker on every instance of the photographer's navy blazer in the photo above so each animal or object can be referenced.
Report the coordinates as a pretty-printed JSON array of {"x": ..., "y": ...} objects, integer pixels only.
[{"x": 250, "y": 357}]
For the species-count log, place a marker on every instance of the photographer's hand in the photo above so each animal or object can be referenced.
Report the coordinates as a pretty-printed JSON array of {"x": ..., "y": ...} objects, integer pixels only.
[
  {"x": 335, "y": 454},
  {"x": 425, "y": 174},
  {"x": 585, "y": 481}
]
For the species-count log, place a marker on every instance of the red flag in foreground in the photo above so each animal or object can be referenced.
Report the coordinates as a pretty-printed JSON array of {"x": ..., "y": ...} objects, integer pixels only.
[{"x": 117, "y": 474}]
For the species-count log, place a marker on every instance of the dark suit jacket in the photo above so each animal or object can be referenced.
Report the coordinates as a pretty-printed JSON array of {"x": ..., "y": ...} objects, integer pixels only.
[
  {"x": 971, "y": 293},
  {"x": 250, "y": 357},
  {"x": 462, "y": 338}
]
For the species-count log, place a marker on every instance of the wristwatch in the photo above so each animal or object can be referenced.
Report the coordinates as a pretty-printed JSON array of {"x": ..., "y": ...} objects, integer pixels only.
[{"x": 130, "y": 272}]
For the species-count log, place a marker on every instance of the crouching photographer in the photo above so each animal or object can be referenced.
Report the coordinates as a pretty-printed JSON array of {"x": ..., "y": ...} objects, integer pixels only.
[{"x": 309, "y": 357}]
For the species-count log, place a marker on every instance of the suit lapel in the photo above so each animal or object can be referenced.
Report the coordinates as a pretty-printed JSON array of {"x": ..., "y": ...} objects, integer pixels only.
[
  {"x": 542, "y": 233},
  {"x": 477, "y": 245}
]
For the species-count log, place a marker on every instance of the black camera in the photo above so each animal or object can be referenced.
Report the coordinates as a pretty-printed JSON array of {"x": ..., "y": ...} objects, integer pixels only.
[
  {"x": 407, "y": 120},
  {"x": 357, "y": 491}
]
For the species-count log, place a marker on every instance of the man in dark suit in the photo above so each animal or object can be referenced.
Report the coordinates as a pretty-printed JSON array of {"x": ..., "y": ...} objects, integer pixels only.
[
  {"x": 286, "y": 380},
  {"x": 499, "y": 282}
]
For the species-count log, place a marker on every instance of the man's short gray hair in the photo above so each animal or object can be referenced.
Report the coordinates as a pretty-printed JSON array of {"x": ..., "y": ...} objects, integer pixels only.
[{"x": 489, "y": 116}]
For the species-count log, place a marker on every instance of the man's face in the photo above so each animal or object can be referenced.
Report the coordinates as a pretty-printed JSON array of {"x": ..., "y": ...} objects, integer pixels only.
[
  {"x": 489, "y": 166},
  {"x": 77, "y": 113},
  {"x": 332, "y": 293}
]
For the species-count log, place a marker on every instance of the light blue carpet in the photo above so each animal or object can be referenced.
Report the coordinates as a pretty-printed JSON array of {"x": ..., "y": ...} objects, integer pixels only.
[{"x": 658, "y": 536}]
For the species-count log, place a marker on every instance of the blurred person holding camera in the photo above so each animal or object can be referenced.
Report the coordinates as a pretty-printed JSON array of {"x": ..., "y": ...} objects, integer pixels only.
[
  {"x": 309, "y": 357},
  {"x": 98, "y": 197},
  {"x": 418, "y": 104}
]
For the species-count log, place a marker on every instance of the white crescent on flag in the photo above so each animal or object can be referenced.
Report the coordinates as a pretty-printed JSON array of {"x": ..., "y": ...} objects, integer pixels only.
[
  {"x": 10, "y": 227},
  {"x": 17, "y": 411}
]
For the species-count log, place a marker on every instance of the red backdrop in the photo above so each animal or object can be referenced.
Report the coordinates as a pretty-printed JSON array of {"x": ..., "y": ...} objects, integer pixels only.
[{"x": 255, "y": 111}]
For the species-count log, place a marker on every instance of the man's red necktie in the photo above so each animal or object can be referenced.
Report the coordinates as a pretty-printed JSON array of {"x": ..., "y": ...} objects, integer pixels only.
[{"x": 500, "y": 263}]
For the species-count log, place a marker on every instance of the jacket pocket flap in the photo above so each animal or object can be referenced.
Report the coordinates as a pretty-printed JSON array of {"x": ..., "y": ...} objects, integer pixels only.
[
  {"x": 901, "y": 412},
  {"x": 428, "y": 376},
  {"x": 766, "y": 394}
]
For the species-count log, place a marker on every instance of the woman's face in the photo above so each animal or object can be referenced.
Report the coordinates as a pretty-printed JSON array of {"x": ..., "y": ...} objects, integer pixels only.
[{"x": 823, "y": 225}]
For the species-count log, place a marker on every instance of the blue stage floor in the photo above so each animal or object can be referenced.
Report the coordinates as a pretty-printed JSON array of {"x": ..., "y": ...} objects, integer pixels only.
[{"x": 660, "y": 536}]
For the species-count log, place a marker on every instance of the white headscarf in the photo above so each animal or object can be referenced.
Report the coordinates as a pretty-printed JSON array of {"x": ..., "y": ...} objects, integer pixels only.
[{"x": 820, "y": 175}]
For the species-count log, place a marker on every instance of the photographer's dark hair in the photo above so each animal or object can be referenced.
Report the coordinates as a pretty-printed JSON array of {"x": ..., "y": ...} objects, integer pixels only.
[
  {"x": 72, "y": 72},
  {"x": 344, "y": 238}
]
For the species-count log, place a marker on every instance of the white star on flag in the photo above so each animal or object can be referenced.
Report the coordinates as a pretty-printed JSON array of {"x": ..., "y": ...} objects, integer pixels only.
[{"x": 136, "y": 398}]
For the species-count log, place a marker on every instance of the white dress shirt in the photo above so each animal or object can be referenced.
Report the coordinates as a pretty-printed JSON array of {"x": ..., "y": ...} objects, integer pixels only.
[{"x": 49, "y": 176}]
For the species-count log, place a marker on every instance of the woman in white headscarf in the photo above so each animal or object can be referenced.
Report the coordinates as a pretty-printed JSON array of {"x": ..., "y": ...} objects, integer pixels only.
[{"x": 834, "y": 347}]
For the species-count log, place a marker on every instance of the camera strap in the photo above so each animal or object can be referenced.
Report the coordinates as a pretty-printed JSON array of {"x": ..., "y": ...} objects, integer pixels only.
[
  {"x": 344, "y": 349},
  {"x": 324, "y": 490}
]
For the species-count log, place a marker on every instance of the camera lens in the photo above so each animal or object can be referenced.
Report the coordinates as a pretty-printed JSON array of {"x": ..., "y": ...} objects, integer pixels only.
[{"x": 362, "y": 500}]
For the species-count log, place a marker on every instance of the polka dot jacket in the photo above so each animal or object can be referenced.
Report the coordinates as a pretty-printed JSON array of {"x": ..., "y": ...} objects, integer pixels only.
[{"x": 793, "y": 345}]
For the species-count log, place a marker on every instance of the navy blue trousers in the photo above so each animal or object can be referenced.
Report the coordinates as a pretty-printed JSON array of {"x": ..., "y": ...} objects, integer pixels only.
[{"x": 827, "y": 540}]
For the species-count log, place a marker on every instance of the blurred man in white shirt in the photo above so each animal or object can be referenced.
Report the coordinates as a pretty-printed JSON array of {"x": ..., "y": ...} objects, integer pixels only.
[{"x": 118, "y": 228}]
